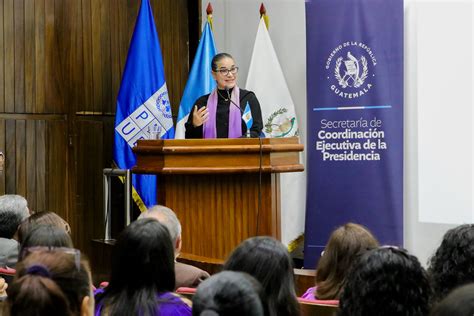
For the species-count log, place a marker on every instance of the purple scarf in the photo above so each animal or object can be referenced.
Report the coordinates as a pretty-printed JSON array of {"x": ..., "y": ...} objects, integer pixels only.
[
  {"x": 168, "y": 304},
  {"x": 235, "y": 119}
]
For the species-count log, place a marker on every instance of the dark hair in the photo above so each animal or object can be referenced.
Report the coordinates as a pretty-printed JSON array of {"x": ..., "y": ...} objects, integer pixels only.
[
  {"x": 229, "y": 293},
  {"x": 459, "y": 302},
  {"x": 143, "y": 265},
  {"x": 345, "y": 244},
  {"x": 9, "y": 222},
  {"x": 453, "y": 263},
  {"x": 269, "y": 262},
  {"x": 13, "y": 209},
  {"x": 386, "y": 281},
  {"x": 46, "y": 236},
  {"x": 219, "y": 57},
  {"x": 49, "y": 283},
  {"x": 41, "y": 218}
]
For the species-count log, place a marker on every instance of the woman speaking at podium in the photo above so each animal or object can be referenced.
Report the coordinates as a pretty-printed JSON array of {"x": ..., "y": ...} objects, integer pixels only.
[{"x": 220, "y": 113}]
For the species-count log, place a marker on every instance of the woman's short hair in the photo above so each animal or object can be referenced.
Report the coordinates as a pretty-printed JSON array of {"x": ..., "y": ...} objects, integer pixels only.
[
  {"x": 46, "y": 236},
  {"x": 49, "y": 282},
  {"x": 459, "y": 302},
  {"x": 452, "y": 265},
  {"x": 13, "y": 210},
  {"x": 345, "y": 245},
  {"x": 41, "y": 218},
  {"x": 229, "y": 293},
  {"x": 219, "y": 57},
  {"x": 386, "y": 281},
  {"x": 267, "y": 260},
  {"x": 143, "y": 265}
]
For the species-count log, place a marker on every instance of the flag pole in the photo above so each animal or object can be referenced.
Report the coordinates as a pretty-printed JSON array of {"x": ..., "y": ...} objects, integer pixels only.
[
  {"x": 263, "y": 14},
  {"x": 209, "y": 11}
]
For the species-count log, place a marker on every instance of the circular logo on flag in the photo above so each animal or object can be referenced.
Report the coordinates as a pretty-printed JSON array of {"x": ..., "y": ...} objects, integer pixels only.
[
  {"x": 163, "y": 104},
  {"x": 279, "y": 124},
  {"x": 350, "y": 67}
]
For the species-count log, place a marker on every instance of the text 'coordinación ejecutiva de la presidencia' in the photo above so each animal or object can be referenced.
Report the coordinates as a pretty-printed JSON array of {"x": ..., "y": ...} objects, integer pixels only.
[{"x": 351, "y": 140}]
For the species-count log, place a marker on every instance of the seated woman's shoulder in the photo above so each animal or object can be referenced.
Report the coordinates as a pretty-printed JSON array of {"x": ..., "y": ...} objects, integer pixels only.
[{"x": 172, "y": 304}]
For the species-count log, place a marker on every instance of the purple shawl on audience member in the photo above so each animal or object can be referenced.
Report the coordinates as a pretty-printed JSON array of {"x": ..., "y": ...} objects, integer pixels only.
[
  {"x": 235, "y": 117},
  {"x": 169, "y": 304},
  {"x": 310, "y": 294}
]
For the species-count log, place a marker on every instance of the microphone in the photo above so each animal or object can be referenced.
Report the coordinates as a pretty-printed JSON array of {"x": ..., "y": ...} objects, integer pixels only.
[
  {"x": 237, "y": 106},
  {"x": 232, "y": 102}
]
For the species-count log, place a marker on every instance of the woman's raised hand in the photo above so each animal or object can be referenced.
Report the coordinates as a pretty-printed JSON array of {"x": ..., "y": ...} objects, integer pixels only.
[{"x": 200, "y": 116}]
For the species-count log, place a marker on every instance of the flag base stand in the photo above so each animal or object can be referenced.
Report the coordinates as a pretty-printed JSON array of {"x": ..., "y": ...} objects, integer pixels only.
[{"x": 125, "y": 174}]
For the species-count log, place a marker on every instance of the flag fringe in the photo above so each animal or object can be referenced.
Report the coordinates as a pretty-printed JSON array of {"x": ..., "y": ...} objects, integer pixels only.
[
  {"x": 136, "y": 197},
  {"x": 295, "y": 243},
  {"x": 266, "y": 19}
]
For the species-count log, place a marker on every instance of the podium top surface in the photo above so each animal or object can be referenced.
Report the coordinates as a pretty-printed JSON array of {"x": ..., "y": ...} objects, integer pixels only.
[{"x": 198, "y": 156}]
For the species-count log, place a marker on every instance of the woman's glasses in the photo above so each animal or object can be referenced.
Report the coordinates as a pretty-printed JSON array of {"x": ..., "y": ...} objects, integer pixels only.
[{"x": 225, "y": 71}]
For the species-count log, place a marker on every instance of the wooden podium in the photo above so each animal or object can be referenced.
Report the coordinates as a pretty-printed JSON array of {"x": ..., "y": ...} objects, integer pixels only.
[{"x": 222, "y": 190}]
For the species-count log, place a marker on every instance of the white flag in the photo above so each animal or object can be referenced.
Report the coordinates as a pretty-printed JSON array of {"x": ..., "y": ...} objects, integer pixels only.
[{"x": 266, "y": 79}]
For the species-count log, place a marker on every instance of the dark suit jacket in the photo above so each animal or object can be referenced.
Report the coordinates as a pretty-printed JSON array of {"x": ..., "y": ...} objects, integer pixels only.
[{"x": 188, "y": 276}]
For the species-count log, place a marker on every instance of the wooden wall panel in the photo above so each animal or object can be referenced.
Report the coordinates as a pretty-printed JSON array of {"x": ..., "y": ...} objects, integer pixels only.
[
  {"x": 39, "y": 40},
  {"x": 97, "y": 58},
  {"x": 2, "y": 149},
  {"x": 10, "y": 156},
  {"x": 57, "y": 162},
  {"x": 55, "y": 79},
  {"x": 36, "y": 159},
  {"x": 2, "y": 61},
  {"x": 115, "y": 55},
  {"x": 31, "y": 162},
  {"x": 87, "y": 83},
  {"x": 19, "y": 24},
  {"x": 69, "y": 44},
  {"x": 20, "y": 157},
  {"x": 9, "y": 58},
  {"x": 106, "y": 103},
  {"x": 40, "y": 170},
  {"x": 61, "y": 63},
  {"x": 29, "y": 56}
]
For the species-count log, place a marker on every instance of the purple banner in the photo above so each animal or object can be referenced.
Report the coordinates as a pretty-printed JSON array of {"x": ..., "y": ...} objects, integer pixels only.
[{"x": 355, "y": 119}]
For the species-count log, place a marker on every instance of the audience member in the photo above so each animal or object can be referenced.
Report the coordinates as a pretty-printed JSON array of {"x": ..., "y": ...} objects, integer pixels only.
[
  {"x": 51, "y": 282},
  {"x": 229, "y": 293},
  {"x": 269, "y": 262},
  {"x": 186, "y": 275},
  {"x": 459, "y": 302},
  {"x": 3, "y": 290},
  {"x": 386, "y": 281},
  {"x": 13, "y": 209},
  {"x": 142, "y": 276},
  {"x": 345, "y": 244},
  {"x": 46, "y": 236},
  {"x": 453, "y": 263},
  {"x": 41, "y": 218}
]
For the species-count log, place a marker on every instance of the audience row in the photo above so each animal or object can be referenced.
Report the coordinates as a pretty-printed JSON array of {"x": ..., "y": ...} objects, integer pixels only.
[{"x": 53, "y": 278}]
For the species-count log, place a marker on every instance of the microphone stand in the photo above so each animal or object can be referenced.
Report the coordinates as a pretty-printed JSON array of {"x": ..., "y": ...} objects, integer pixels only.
[{"x": 259, "y": 206}]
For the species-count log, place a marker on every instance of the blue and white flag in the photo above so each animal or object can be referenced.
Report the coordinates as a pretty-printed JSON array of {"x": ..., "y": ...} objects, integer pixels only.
[
  {"x": 247, "y": 116},
  {"x": 200, "y": 81},
  {"x": 142, "y": 102}
]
